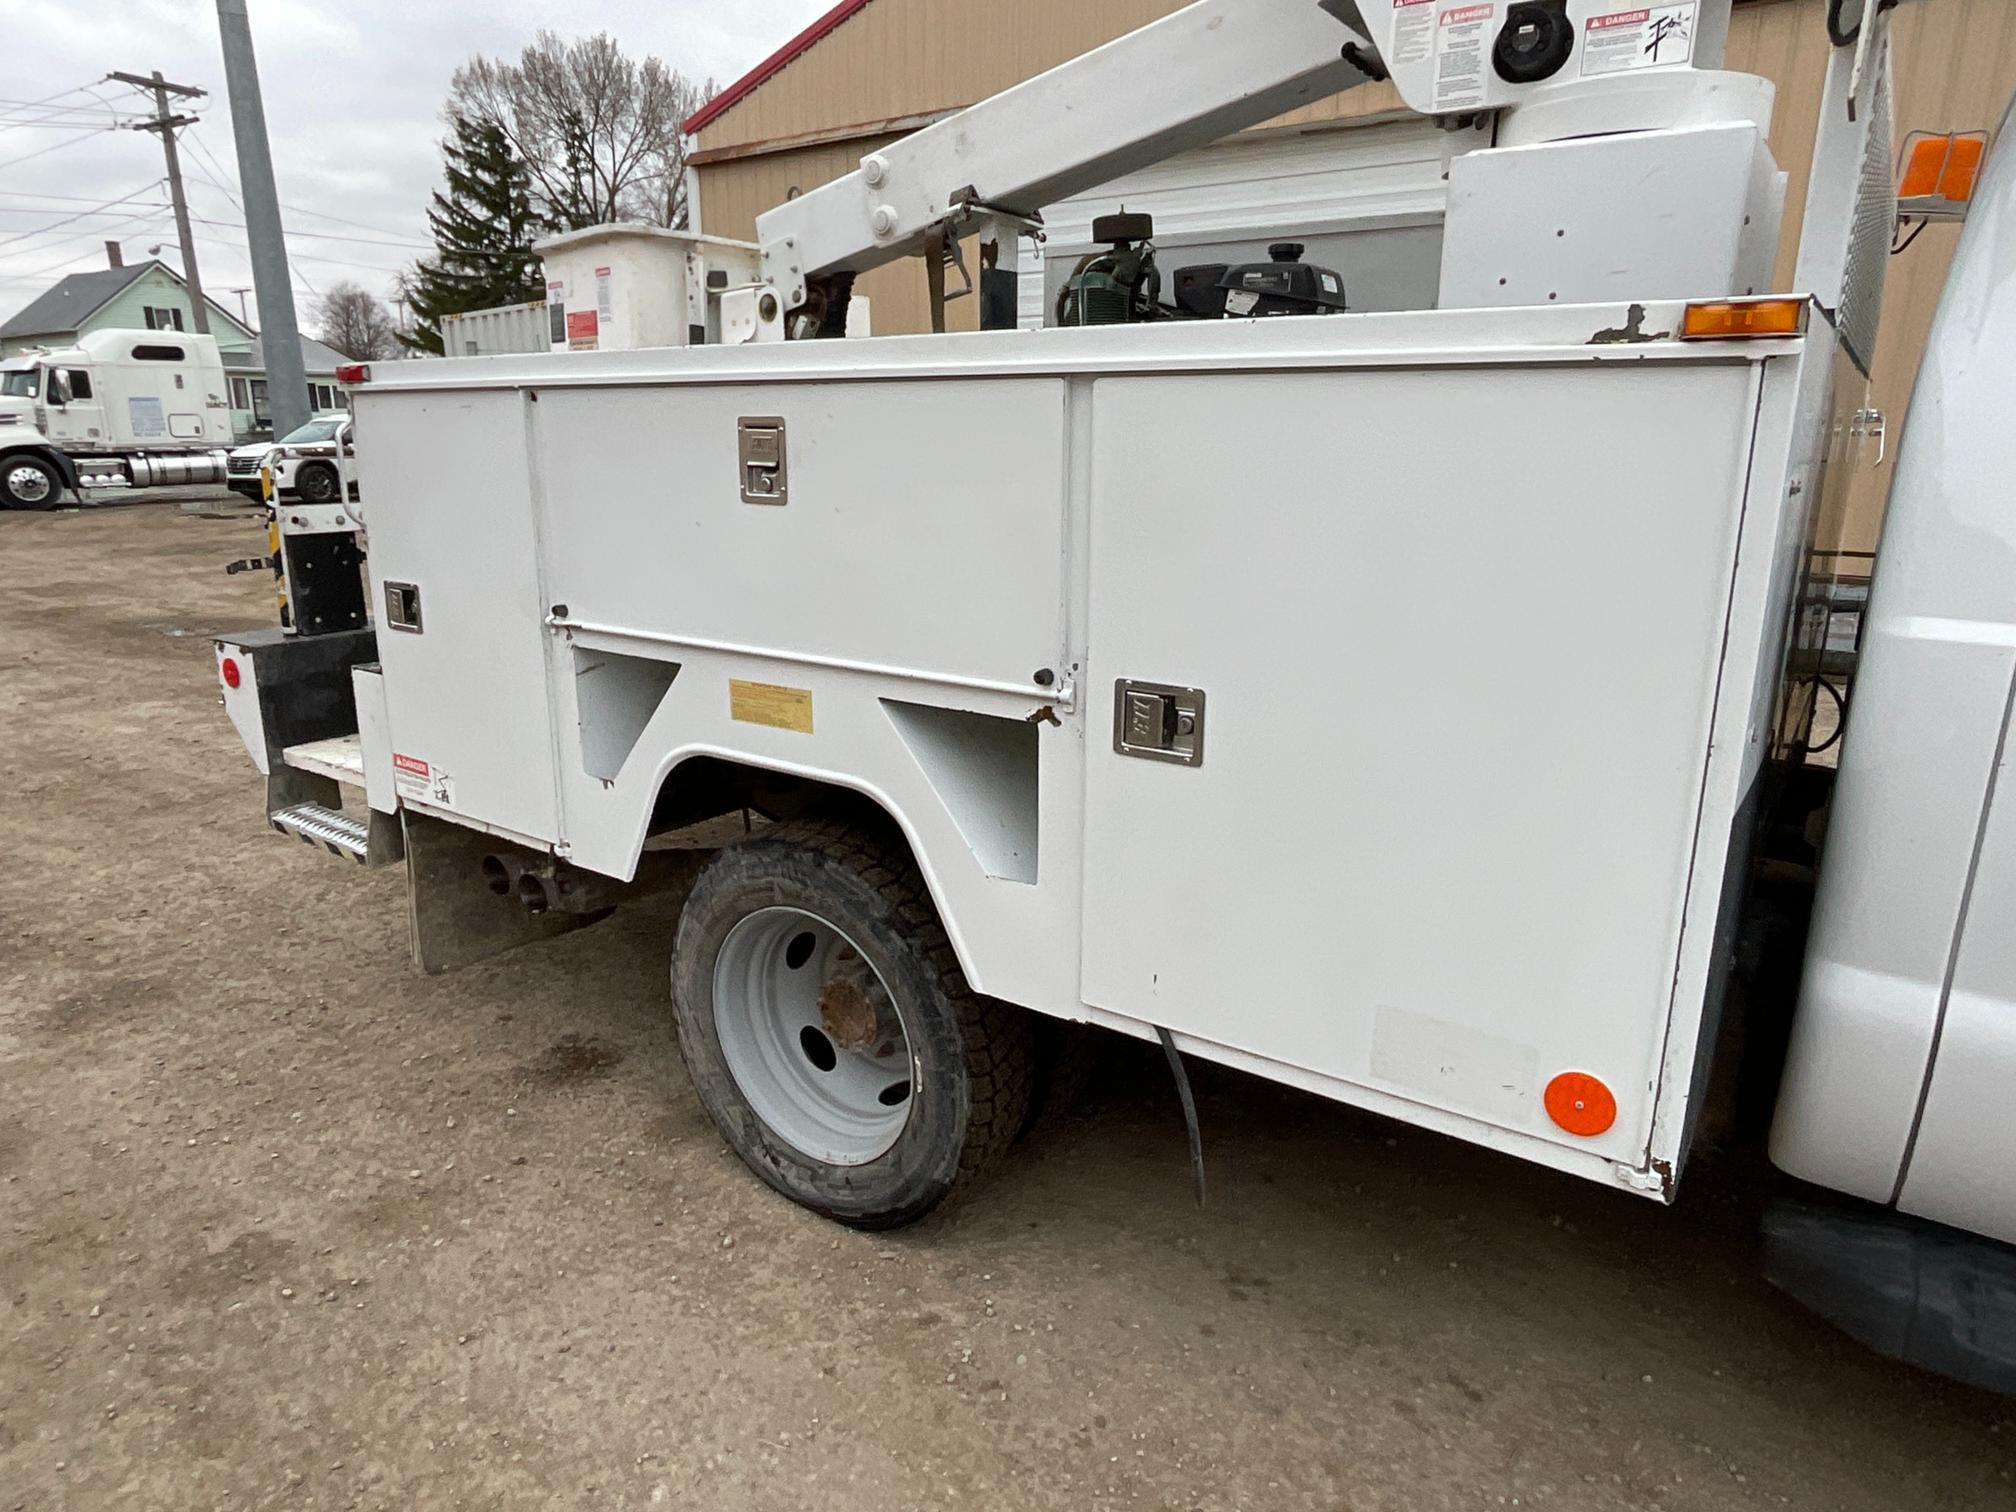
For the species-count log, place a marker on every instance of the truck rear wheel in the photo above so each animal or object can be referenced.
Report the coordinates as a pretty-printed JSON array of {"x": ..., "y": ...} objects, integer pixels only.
[
  {"x": 830, "y": 1033},
  {"x": 29, "y": 483}
]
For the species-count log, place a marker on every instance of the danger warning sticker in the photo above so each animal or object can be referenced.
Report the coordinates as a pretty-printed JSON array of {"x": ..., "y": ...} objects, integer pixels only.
[
  {"x": 1461, "y": 42},
  {"x": 582, "y": 331},
  {"x": 1413, "y": 31},
  {"x": 417, "y": 780},
  {"x": 1646, "y": 36}
]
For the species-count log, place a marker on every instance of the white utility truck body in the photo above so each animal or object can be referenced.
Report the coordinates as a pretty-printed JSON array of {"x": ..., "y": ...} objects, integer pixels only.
[
  {"x": 1384, "y": 704},
  {"x": 119, "y": 409},
  {"x": 1336, "y": 596}
]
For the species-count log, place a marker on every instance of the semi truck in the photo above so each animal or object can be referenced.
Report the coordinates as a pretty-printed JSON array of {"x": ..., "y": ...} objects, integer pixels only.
[
  {"x": 1401, "y": 706},
  {"x": 118, "y": 409}
]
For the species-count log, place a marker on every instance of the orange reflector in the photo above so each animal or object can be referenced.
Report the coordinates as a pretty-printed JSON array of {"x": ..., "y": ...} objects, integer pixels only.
[
  {"x": 1942, "y": 167},
  {"x": 1580, "y": 1104},
  {"x": 1726, "y": 318}
]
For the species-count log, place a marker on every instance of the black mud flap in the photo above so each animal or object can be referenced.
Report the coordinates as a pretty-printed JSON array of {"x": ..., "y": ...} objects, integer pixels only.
[
  {"x": 1920, "y": 1292},
  {"x": 456, "y": 919}
]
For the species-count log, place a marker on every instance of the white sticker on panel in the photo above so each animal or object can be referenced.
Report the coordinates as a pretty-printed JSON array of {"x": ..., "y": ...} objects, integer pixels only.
[
  {"x": 1646, "y": 36},
  {"x": 1413, "y": 31},
  {"x": 422, "y": 782},
  {"x": 1461, "y": 44}
]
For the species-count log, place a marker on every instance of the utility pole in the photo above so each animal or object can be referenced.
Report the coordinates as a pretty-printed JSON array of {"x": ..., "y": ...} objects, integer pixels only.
[
  {"x": 241, "y": 293},
  {"x": 286, "y": 380},
  {"x": 164, "y": 125}
]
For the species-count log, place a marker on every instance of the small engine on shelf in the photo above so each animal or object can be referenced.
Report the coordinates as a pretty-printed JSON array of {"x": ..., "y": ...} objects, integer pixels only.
[
  {"x": 1120, "y": 285},
  {"x": 1286, "y": 285}
]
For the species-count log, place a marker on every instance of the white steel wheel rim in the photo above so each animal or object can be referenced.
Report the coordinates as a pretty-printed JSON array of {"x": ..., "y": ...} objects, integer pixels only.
[
  {"x": 29, "y": 483},
  {"x": 781, "y": 979}
]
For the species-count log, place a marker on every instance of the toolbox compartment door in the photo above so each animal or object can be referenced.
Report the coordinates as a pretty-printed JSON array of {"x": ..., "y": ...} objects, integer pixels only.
[
  {"x": 1458, "y": 634},
  {"x": 451, "y": 519}
]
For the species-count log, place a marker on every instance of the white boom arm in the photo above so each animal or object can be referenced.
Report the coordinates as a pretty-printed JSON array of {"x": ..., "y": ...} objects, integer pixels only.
[
  {"x": 1217, "y": 67},
  {"x": 1208, "y": 70}
]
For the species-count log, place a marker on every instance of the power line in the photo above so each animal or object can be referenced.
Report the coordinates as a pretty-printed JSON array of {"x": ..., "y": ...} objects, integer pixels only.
[
  {"x": 41, "y": 273},
  {"x": 86, "y": 214},
  {"x": 295, "y": 259},
  {"x": 101, "y": 103},
  {"x": 204, "y": 151},
  {"x": 70, "y": 121},
  {"x": 79, "y": 215},
  {"x": 364, "y": 241},
  {"x": 66, "y": 142},
  {"x": 150, "y": 217},
  {"x": 62, "y": 93},
  {"x": 74, "y": 199}
]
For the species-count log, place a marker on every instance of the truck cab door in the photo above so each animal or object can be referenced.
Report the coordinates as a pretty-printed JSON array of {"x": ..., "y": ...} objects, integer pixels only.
[{"x": 76, "y": 418}]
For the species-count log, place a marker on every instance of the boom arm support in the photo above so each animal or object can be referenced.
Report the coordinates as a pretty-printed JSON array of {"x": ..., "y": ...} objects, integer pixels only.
[
  {"x": 1568, "y": 68},
  {"x": 1206, "y": 71}
]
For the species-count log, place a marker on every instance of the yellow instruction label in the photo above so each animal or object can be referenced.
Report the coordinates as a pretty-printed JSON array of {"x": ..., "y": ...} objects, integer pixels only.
[{"x": 768, "y": 704}]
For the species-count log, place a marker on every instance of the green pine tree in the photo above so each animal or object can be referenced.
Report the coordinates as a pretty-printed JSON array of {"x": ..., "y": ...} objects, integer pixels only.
[{"x": 483, "y": 228}]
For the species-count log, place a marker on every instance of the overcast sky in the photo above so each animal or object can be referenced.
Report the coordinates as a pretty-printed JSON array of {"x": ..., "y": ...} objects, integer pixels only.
[{"x": 353, "y": 93}]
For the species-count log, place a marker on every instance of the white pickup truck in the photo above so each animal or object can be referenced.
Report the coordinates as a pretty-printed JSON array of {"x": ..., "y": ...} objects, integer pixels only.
[
  {"x": 1401, "y": 706},
  {"x": 303, "y": 464},
  {"x": 120, "y": 409}
]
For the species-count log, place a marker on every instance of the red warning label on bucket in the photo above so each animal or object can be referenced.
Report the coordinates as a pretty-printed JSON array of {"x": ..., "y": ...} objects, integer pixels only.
[
  {"x": 1646, "y": 36},
  {"x": 1462, "y": 36}
]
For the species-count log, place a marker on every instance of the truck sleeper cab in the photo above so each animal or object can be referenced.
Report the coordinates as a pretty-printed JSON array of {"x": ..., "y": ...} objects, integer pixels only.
[{"x": 119, "y": 409}]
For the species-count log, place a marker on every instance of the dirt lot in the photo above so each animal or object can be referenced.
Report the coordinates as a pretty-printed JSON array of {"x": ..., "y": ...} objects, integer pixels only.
[{"x": 285, "y": 1224}]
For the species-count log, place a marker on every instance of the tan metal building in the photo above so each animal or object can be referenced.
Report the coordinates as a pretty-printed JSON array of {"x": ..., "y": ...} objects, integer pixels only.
[{"x": 870, "y": 70}]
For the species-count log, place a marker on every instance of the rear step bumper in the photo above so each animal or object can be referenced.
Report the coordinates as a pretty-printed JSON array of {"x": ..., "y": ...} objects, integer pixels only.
[{"x": 335, "y": 831}]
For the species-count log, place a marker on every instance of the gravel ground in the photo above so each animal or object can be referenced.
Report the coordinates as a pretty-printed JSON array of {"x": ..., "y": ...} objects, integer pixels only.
[{"x": 285, "y": 1224}]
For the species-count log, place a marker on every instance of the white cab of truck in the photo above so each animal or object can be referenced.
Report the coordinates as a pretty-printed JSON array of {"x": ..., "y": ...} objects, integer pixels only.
[
  {"x": 119, "y": 409},
  {"x": 1902, "y": 1067}
]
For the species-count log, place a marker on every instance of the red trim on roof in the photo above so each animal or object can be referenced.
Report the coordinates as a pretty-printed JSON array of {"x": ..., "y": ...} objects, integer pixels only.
[{"x": 745, "y": 86}]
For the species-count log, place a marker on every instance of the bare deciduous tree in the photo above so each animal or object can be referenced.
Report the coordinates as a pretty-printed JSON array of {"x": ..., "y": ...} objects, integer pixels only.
[
  {"x": 355, "y": 322},
  {"x": 599, "y": 133}
]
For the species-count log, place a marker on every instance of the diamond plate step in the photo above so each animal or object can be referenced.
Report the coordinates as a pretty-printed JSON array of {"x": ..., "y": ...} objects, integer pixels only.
[{"x": 336, "y": 832}]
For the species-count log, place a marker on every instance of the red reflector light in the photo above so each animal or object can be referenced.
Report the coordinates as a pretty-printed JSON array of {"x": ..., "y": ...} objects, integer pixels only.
[
  {"x": 353, "y": 372},
  {"x": 1581, "y": 1104},
  {"x": 229, "y": 669}
]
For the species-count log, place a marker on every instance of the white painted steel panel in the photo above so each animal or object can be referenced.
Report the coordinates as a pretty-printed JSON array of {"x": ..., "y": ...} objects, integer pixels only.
[
  {"x": 1902, "y": 1063},
  {"x": 1637, "y": 215},
  {"x": 1364, "y": 199},
  {"x": 1460, "y": 635},
  {"x": 1915, "y": 767},
  {"x": 922, "y": 529},
  {"x": 450, "y": 481},
  {"x": 1965, "y": 1149}
]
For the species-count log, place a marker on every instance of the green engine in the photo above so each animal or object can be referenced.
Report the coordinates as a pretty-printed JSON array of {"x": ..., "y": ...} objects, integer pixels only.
[{"x": 1119, "y": 286}]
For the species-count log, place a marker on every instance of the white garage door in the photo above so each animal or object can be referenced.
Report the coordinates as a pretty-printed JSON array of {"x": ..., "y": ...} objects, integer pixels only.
[{"x": 1366, "y": 200}]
